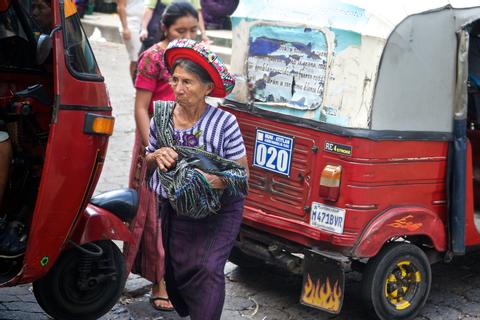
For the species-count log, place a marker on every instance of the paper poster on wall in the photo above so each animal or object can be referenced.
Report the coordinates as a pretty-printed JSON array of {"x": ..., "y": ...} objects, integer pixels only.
[{"x": 288, "y": 66}]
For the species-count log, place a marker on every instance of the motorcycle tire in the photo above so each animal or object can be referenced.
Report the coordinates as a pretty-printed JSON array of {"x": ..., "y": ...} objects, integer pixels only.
[{"x": 63, "y": 295}]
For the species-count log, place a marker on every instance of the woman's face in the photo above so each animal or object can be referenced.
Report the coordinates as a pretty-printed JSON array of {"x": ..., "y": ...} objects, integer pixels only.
[
  {"x": 184, "y": 28},
  {"x": 188, "y": 88}
]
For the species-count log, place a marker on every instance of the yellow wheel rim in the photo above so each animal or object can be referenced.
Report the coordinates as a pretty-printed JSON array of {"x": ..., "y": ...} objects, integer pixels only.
[{"x": 401, "y": 284}]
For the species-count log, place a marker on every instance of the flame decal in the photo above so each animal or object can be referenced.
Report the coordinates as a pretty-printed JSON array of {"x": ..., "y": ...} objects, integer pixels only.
[
  {"x": 404, "y": 223},
  {"x": 322, "y": 295}
]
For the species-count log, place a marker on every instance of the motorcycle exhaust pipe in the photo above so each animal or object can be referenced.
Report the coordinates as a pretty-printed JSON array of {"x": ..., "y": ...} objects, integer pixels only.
[{"x": 273, "y": 255}]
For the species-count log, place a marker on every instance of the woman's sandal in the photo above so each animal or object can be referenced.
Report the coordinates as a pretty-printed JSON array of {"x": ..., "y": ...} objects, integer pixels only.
[{"x": 158, "y": 307}]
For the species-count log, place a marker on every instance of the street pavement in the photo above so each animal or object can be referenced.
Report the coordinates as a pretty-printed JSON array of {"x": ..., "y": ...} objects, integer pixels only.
[{"x": 266, "y": 293}]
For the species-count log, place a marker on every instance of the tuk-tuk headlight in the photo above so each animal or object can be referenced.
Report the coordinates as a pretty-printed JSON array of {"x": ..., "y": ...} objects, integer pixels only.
[
  {"x": 330, "y": 182},
  {"x": 98, "y": 124}
]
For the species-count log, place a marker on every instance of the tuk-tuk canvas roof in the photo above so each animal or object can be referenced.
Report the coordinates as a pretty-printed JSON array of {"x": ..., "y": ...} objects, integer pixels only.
[
  {"x": 376, "y": 18},
  {"x": 322, "y": 60}
]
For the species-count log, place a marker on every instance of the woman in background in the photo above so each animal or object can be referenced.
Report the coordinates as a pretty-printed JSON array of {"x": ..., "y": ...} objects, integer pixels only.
[
  {"x": 130, "y": 13},
  {"x": 152, "y": 9}
]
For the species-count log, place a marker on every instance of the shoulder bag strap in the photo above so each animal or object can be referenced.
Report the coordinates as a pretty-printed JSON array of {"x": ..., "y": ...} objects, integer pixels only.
[{"x": 162, "y": 115}]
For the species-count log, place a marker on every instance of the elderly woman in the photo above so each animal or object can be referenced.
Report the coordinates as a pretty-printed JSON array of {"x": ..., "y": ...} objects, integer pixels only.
[
  {"x": 145, "y": 254},
  {"x": 197, "y": 249}
]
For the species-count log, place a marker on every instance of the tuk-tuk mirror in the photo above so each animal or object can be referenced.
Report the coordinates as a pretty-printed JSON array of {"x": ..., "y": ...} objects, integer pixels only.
[
  {"x": 4, "y": 5},
  {"x": 45, "y": 45}
]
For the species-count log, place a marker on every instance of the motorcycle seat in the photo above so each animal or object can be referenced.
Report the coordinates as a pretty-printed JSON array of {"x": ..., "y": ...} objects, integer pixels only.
[{"x": 122, "y": 202}]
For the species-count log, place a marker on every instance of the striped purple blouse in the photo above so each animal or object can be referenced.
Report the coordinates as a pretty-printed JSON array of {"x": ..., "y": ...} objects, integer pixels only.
[{"x": 216, "y": 131}]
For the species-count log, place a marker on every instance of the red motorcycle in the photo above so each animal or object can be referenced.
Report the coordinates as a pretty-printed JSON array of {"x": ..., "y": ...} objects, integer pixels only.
[{"x": 56, "y": 111}]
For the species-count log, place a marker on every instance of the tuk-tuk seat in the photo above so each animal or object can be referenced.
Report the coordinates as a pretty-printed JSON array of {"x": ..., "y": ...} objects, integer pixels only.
[{"x": 123, "y": 203}]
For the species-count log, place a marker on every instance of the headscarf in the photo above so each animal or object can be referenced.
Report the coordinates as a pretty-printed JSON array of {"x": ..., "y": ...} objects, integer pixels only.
[{"x": 194, "y": 51}]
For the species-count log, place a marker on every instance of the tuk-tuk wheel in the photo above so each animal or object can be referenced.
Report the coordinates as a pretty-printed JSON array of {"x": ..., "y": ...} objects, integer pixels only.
[
  {"x": 396, "y": 282},
  {"x": 64, "y": 294}
]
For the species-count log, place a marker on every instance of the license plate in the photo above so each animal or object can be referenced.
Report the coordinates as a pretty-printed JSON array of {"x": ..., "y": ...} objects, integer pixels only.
[
  {"x": 273, "y": 152},
  {"x": 327, "y": 218},
  {"x": 323, "y": 283}
]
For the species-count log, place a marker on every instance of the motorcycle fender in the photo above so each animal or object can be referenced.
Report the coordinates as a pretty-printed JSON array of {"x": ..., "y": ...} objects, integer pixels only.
[
  {"x": 398, "y": 222},
  {"x": 99, "y": 224}
]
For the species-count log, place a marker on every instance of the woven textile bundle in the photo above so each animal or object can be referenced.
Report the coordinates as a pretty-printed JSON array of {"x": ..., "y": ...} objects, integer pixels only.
[{"x": 187, "y": 190}]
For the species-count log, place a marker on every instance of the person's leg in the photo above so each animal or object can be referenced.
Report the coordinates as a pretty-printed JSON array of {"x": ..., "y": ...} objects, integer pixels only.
[
  {"x": 133, "y": 47},
  {"x": 13, "y": 237},
  {"x": 197, "y": 253},
  {"x": 160, "y": 291},
  {"x": 211, "y": 274},
  {"x": 5, "y": 158}
]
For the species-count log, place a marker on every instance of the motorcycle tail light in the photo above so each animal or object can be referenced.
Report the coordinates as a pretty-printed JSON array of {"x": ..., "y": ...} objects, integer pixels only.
[
  {"x": 330, "y": 182},
  {"x": 98, "y": 124}
]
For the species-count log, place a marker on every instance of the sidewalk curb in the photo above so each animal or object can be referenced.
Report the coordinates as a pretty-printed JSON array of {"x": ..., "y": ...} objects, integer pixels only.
[
  {"x": 110, "y": 33},
  {"x": 106, "y": 27}
]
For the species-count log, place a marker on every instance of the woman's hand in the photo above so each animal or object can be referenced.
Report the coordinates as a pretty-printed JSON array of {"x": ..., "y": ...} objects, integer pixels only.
[
  {"x": 143, "y": 35},
  {"x": 206, "y": 41},
  {"x": 165, "y": 157},
  {"x": 126, "y": 34},
  {"x": 214, "y": 181}
]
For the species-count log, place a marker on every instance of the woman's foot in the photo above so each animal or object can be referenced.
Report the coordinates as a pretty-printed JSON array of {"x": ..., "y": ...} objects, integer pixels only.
[{"x": 159, "y": 299}]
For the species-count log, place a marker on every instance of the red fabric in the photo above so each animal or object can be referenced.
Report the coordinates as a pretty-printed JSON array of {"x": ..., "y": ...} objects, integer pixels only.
[{"x": 145, "y": 255}]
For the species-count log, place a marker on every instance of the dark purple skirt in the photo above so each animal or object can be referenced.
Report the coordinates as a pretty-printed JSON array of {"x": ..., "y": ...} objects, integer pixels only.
[{"x": 196, "y": 251}]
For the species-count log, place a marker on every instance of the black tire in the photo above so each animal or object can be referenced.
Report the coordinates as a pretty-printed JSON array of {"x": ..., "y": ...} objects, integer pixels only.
[
  {"x": 59, "y": 293},
  {"x": 396, "y": 283},
  {"x": 243, "y": 260}
]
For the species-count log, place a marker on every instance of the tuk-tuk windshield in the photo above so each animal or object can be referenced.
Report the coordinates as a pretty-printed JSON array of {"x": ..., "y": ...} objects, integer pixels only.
[
  {"x": 309, "y": 64},
  {"x": 79, "y": 55},
  {"x": 286, "y": 67}
]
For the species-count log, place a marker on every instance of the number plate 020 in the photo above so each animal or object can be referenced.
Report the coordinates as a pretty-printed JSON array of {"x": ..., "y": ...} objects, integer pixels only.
[{"x": 273, "y": 152}]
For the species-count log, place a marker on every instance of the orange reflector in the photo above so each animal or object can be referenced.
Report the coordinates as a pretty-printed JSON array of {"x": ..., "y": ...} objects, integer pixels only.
[
  {"x": 330, "y": 182},
  {"x": 103, "y": 126},
  {"x": 70, "y": 8},
  {"x": 98, "y": 124}
]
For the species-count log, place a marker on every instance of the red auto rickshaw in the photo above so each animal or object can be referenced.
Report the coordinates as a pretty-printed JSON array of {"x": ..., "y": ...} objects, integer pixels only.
[
  {"x": 56, "y": 111},
  {"x": 362, "y": 126}
]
